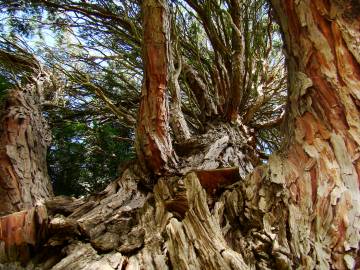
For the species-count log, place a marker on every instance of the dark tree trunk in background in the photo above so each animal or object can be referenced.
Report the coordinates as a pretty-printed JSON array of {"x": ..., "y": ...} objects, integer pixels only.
[{"x": 299, "y": 211}]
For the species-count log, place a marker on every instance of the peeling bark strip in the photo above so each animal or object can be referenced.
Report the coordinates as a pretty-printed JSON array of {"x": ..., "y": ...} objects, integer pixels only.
[
  {"x": 21, "y": 232},
  {"x": 24, "y": 138},
  {"x": 213, "y": 180},
  {"x": 154, "y": 146}
]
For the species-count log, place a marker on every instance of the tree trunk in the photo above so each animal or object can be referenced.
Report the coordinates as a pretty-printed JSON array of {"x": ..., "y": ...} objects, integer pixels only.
[
  {"x": 177, "y": 120},
  {"x": 320, "y": 169},
  {"x": 24, "y": 138},
  {"x": 153, "y": 142},
  {"x": 298, "y": 211},
  {"x": 237, "y": 61},
  {"x": 24, "y": 181}
]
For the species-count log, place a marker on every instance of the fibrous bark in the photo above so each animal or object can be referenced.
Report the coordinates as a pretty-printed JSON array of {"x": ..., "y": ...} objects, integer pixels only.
[
  {"x": 154, "y": 147},
  {"x": 314, "y": 220},
  {"x": 298, "y": 211},
  {"x": 125, "y": 228}
]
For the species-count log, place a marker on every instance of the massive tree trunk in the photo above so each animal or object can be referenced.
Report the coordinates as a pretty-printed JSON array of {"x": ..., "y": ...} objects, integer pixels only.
[
  {"x": 305, "y": 202},
  {"x": 301, "y": 210},
  {"x": 24, "y": 139},
  {"x": 320, "y": 170}
]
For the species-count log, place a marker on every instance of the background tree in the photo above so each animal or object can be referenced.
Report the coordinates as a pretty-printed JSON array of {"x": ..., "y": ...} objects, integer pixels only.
[{"x": 86, "y": 154}]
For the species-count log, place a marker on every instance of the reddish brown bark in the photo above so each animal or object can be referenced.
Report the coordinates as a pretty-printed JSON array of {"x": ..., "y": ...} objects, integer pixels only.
[
  {"x": 154, "y": 145},
  {"x": 213, "y": 180},
  {"x": 21, "y": 232},
  {"x": 321, "y": 168}
]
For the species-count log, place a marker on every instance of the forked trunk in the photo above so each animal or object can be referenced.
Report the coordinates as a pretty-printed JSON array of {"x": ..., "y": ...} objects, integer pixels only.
[{"x": 299, "y": 211}]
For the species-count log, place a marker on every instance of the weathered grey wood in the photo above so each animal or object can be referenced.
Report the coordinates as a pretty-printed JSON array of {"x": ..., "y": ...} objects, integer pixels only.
[{"x": 139, "y": 226}]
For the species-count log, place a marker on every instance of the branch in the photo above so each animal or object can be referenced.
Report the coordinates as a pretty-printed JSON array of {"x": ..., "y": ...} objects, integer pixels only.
[
  {"x": 269, "y": 124},
  {"x": 210, "y": 28},
  {"x": 256, "y": 106}
]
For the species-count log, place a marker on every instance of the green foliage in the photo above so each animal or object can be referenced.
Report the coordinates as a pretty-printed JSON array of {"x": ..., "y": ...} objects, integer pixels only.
[
  {"x": 4, "y": 87},
  {"x": 84, "y": 157}
]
